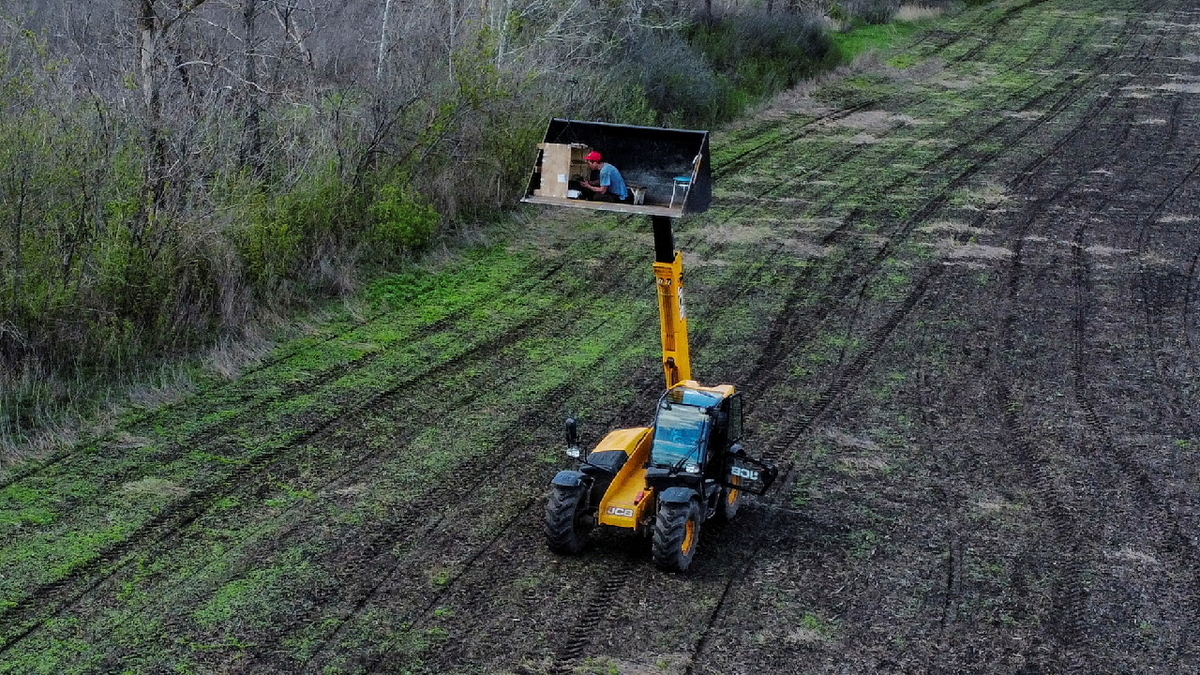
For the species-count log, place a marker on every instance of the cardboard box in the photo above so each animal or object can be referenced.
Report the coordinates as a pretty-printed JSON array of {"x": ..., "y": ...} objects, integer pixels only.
[{"x": 560, "y": 164}]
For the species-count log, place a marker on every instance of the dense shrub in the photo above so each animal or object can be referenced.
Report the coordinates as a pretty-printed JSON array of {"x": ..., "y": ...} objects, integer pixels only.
[
  {"x": 400, "y": 222},
  {"x": 679, "y": 82},
  {"x": 858, "y": 12},
  {"x": 763, "y": 52},
  {"x": 708, "y": 73}
]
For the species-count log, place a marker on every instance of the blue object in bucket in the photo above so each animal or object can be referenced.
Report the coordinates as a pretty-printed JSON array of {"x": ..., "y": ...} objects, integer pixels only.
[{"x": 680, "y": 183}]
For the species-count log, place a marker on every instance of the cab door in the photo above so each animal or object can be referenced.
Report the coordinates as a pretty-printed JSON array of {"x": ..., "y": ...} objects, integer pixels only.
[
  {"x": 735, "y": 419},
  {"x": 747, "y": 474},
  {"x": 741, "y": 471}
]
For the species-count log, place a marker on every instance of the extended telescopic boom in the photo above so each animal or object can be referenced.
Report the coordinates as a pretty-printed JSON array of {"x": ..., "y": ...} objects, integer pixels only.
[{"x": 668, "y": 270}]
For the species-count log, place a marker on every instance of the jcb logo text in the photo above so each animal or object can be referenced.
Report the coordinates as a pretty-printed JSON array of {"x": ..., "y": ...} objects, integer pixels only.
[{"x": 748, "y": 474}]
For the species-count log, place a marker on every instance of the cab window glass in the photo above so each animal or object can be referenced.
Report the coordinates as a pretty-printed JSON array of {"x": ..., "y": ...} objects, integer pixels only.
[
  {"x": 735, "y": 418},
  {"x": 679, "y": 432}
]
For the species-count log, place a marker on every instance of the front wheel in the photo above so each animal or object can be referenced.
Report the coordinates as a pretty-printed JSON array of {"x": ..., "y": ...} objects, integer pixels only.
[
  {"x": 567, "y": 522},
  {"x": 676, "y": 533}
]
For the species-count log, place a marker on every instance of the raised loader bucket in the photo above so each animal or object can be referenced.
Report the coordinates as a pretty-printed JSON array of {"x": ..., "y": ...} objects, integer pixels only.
[{"x": 667, "y": 170}]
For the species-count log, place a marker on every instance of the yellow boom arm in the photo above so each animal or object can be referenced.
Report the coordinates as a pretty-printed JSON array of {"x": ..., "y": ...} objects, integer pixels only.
[{"x": 677, "y": 365}]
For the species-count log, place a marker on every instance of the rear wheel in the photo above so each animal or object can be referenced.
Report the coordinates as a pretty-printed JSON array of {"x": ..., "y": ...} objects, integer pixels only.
[
  {"x": 567, "y": 522},
  {"x": 731, "y": 498},
  {"x": 676, "y": 533}
]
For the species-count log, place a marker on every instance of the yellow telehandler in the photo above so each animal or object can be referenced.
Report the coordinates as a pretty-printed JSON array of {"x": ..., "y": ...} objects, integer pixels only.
[{"x": 666, "y": 480}]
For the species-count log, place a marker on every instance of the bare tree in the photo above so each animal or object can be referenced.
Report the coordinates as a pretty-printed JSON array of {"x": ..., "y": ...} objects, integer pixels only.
[
  {"x": 251, "y": 155},
  {"x": 383, "y": 36},
  {"x": 157, "y": 22},
  {"x": 285, "y": 12}
]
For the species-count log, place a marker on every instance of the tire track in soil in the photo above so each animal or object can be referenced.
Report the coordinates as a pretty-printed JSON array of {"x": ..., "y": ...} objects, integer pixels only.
[
  {"x": 1072, "y": 600},
  {"x": 1177, "y": 402},
  {"x": 402, "y": 533},
  {"x": 519, "y": 542},
  {"x": 1007, "y": 16},
  {"x": 1068, "y": 623},
  {"x": 786, "y": 329},
  {"x": 1002, "y": 20},
  {"x": 840, "y": 158},
  {"x": 649, "y": 390},
  {"x": 777, "y": 341},
  {"x": 1179, "y": 547},
  {"x": 599, "y": 606},
  {"x": 289, "y": 390},
  {"x": 1069, "y": 596},
  {"x": 579, "y": 636},
  {"x": 50, "y": 599},
  {"x": 369, "y": 545},
  {"x": 1180, "y": 407},
  {"x": 802, "y": 423},
  {"x": 756, "y": 153},
  {"x": 790, "y": 325}
]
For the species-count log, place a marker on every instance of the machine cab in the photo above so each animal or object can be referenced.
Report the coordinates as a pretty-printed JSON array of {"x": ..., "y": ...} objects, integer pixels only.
[
  {"x": 696, "y": 438},
  {"x": 683, "y": 428}
]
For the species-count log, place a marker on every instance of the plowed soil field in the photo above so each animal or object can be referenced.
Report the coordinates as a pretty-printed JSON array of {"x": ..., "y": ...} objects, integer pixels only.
[{"x": 956, "y": 287}]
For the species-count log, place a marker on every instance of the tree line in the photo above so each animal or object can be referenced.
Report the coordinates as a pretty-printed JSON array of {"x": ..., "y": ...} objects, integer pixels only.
[{"x": 171, "y": 169}]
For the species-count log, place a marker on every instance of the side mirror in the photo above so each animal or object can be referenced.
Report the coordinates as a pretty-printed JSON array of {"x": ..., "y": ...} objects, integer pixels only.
[{"x": 573, "y": 449}]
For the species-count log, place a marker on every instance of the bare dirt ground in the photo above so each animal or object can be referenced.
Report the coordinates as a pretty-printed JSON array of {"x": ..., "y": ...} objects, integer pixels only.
[{"x": 957, "y": 288}]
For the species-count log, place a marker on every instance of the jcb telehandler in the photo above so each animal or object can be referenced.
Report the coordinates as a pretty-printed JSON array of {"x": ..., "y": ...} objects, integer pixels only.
[{"x": 666, "y": 480}]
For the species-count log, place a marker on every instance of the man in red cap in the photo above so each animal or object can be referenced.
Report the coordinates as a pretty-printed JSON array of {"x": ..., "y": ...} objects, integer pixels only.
[{"x": 610, "y": 186}]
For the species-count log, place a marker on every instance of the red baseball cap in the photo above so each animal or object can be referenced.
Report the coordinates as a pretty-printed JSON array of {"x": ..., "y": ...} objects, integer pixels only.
[{"x": 593, "y": 156}]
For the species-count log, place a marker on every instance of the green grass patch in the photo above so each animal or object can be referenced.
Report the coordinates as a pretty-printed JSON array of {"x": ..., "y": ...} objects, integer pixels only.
[{"x": 876, "y": 37}]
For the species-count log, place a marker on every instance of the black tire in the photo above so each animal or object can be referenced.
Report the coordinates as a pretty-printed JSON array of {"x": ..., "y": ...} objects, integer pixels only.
[
  {"x": 731, "y": 499},
  {"x": 676, "y": 533},
  {"x": 567, "y": 522}
]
